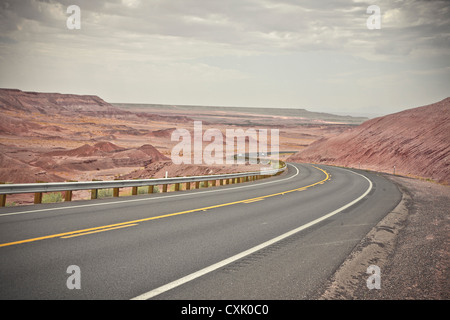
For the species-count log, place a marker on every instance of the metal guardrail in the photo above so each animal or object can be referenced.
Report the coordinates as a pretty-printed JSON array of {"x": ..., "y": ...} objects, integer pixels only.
[{"x": 39, "y": 188}]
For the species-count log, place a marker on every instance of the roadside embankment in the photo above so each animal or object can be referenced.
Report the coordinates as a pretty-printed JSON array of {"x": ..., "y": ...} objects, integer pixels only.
[{"x": 410, "y": 246}]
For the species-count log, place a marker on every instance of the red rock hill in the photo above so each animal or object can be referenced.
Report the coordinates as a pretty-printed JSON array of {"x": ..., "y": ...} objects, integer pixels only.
[{"x": 416, "y": 141}]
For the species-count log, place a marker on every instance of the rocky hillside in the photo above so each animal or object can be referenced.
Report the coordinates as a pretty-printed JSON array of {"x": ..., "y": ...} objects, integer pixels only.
[
  {"x": 57, "y": 137},
  {"x": 416, "y": 141}
]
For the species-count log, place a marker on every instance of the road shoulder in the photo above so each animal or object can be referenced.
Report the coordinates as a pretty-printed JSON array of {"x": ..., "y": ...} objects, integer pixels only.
[{"x": 410, "y": 245}]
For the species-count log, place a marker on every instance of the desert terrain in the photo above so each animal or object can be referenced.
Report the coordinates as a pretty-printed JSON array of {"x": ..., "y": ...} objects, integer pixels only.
[
  {"x": 413, "y": 143},
  {"x": 49, "y": 137},
  {"x": 410, "y": 244},
  {"x": 57, "y": 137}
]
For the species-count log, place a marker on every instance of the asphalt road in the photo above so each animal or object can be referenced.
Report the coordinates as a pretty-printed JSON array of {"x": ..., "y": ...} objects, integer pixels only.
[{"x": 277, "y": 238}]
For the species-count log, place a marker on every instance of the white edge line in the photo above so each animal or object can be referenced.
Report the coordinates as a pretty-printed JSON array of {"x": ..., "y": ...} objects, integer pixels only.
[
  {"x": 238, "y": 256},
  {"x": 147, "y": 199}
]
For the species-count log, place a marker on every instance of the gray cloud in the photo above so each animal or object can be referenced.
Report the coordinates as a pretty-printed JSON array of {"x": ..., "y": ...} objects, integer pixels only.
[
  {"x": 226, "y": 46},
  {"x": 287, "y": 24}
]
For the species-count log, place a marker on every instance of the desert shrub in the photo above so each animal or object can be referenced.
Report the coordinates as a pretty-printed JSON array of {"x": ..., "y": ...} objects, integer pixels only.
[
  {"x": 142, "y": 190},
  {"x": 52, "y": 197},
  {"x": 105, "y": 193},
  {"x": 204, "y": 184}
]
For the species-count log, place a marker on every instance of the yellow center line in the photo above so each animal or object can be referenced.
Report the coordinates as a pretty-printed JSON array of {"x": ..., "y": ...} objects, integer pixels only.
[
  {"x": 253, "y": 200},
  {"x": 101, "y": 230},
  {"x": 98, "y": 229}
]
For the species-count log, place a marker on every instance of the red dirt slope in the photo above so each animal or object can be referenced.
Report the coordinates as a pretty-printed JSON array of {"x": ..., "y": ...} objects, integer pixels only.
[
  {"x": 99, "y": 149},
  {"x": 415, "y": 141},
  {"x": 154, "y": 154},
  {"x": 105, "y": 155},
  {"x": 23, "y": 172}
]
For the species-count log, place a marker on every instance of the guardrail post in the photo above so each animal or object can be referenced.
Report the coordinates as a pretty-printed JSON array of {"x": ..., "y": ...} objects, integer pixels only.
[
  {"x": 134, "y": 190},
  {"x": 188, "y": 186},
  {"x": 94, "y": 192},
  {"x": 214, "y": 183},
  {"x": 116, "y": 191},
  {"x": 164, "y": 187},
  {"x": 177, "y": 186},
  {"x": 38, "y": 198},
  {"x": 197, "y": 184},
  {"x": 150, "y": 189},
  {"x": 68, "y": 193},
  {"x": 38, "y": 195},
  {"x": 2, "y": 198}
]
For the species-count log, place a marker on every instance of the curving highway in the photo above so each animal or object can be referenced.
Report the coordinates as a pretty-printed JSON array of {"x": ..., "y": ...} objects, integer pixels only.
[{"x": 276, "y": 238}]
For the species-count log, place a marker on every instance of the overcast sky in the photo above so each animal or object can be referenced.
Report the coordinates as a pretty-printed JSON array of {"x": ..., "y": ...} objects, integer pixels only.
[{"x": 317, "y": 55}]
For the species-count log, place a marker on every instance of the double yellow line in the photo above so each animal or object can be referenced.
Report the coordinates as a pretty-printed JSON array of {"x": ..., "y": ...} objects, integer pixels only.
[
  {"x": 96, "y": 231},
  {"x": 109, "y": 227}
]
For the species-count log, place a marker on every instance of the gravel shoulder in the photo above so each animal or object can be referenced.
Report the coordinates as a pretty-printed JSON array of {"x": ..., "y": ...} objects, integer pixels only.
[{"x": 410, "y": 246}]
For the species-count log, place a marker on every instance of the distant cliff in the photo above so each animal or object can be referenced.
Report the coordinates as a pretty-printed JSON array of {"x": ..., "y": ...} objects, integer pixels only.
[{"x": 56, "y": 103}]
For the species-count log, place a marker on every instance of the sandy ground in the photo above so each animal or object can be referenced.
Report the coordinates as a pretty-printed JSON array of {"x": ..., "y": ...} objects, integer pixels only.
[{"x": 410, "y": 246}]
